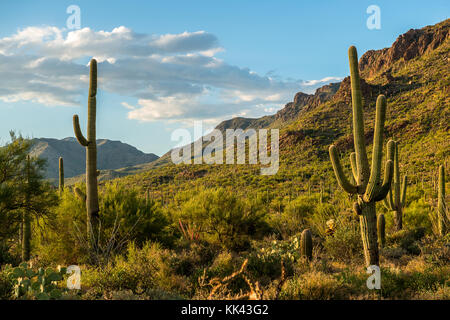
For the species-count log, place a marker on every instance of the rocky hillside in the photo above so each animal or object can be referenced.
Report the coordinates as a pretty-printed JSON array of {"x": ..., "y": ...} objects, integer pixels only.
[
  {"x": 111, "y": 155},
  {"x": 414, "y": 74}
]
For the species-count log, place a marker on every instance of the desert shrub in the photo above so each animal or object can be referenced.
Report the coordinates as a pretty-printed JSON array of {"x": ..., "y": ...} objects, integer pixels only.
[
  {"x": 266, "y": 257},
  {"x": 322, "y": 213},
  {"x": 406, "y": 239},
  {"x": 441, "y": 292},
  {"x": 124, "y": 217},
  {"x": 194, "y": 258},
  {"x": 6, "y": 257},
  {"x": 293, "y": 217},
  {"x": 222, "y": 265},
  {"x": 416, "y": 215},
  {"x": 404, "y": 285},
  {"x": 6, "y": 286},
  {"x": 61, "y": 243},
  {"x": 139, "y": 219},
  {"x": 139, "y": 270},
  {"x": 313, "y": 286},
  {"x": 345, "y": 244},
  {"x": 223, "y": 218}
]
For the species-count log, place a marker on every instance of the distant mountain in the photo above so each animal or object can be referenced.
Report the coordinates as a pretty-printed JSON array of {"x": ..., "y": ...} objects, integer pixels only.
[
  {"x": 111, "y": 155},
  {"x": 414, "y": 76}
]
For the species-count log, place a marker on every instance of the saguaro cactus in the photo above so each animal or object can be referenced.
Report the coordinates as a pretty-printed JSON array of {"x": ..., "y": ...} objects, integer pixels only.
[
  {"x": 61, "y": 175},
  {"x": 381, "y": 227},
  {"x": 396, "y": 202},
  {"x": 306, "y": 244},
  {"x": 26, "y": 233},
  {"x": 80, "y": 194},
  {"x": 91, "y": 154},
  {"x": 442, "y": 208},
  {"x": 368, "y": 186}
]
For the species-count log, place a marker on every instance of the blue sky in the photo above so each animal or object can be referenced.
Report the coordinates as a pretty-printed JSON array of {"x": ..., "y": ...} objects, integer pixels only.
[{"x": 207, "y": 60}]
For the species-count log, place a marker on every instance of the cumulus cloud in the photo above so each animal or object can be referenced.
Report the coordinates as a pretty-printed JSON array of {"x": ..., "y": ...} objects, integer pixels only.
[{"x": 173, "y": 77}]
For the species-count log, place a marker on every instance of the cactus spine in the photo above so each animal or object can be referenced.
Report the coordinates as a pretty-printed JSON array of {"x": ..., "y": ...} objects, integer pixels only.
[
  {"x": 368, "y": 186},
  {"x": 442, "y": 209},
  {"x": 306, "y": 244},
  {"x": 61, "y": 175},
  {"x": 26, "y": 233},
  {"x": 90, "y": 144},
  {"x": 396, "y": 202},
  {"x": 381, "y": 227}
]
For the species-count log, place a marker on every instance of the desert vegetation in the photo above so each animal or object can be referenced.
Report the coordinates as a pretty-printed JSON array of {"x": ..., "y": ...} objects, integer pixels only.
[{"x": 226, "y": 232}]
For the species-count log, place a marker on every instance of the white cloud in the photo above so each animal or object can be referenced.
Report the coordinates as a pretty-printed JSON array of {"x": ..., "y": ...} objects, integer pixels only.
[{"x": 174, "y": 77}]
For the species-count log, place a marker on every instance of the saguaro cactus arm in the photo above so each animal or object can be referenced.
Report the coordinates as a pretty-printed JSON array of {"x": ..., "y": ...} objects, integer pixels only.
[
  {"x": 362, "y": 163},
  {"x": 80, "y": 194},
  {"x": 340, "y": 175},
  {"x": 387, "y": 180},
  {"x": 78, "y": 134},
  {"x": 372, "y": 186},
  {"x": 404, "y": 186},
  {"x": 353, "y": 164},
  {"x": 385, "y": 188}
]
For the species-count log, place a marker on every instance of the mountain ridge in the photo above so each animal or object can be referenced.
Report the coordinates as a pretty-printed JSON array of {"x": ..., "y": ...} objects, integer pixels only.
[{"x": 112, "y": 154}]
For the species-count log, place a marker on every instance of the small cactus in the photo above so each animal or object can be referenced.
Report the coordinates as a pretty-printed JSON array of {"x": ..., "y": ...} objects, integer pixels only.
[
  {"x": 395, "y": 201},
  {"x": 306, "y": 244},
  {"x": 381, "y": 227},
  {"x": 80, "y": 194},
  {"x": 61, "y": 175},
  {"x": 442, "y": 208}
]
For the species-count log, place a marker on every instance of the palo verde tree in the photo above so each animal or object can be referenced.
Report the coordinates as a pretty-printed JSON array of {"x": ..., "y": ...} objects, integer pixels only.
[
  {"x": 24, "y": 194},
  {"x": 368, "y": 187}
]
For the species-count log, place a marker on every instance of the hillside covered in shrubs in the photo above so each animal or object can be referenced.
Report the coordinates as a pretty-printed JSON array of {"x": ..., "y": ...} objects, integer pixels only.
[{"x": 227, "y": 232}]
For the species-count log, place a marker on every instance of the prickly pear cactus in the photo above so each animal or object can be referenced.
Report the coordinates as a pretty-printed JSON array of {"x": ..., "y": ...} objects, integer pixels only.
[{"x": 37, "y": 284}]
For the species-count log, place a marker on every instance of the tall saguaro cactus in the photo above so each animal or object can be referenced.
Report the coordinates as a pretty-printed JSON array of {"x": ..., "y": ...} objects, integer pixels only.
[
  {"x": 442, "y": 209},
  {"x": 396, "y": 202},
  {"x": 368, "y": 185},
  {"x": 90, "y": 144},
  {"x": 61, "y": 175},
  {"x": 26, "y": 222}
]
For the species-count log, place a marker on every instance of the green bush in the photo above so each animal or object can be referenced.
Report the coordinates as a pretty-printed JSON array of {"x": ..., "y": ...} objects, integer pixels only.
[
  {"x": 6, "y": 286},
  {"x": 223, "y": 218},
  {"x": 345, "y": 244},
  {"x": 124, "y": 216},
  {"x": 139, "y": 219},
  {"x": 139, "y": 270},
  {"x": 416, "y": 215},
  {"x": 406, "y": 239},
  {"x": 294, "y": 217},
  {"x": 313, "y": 286}
]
